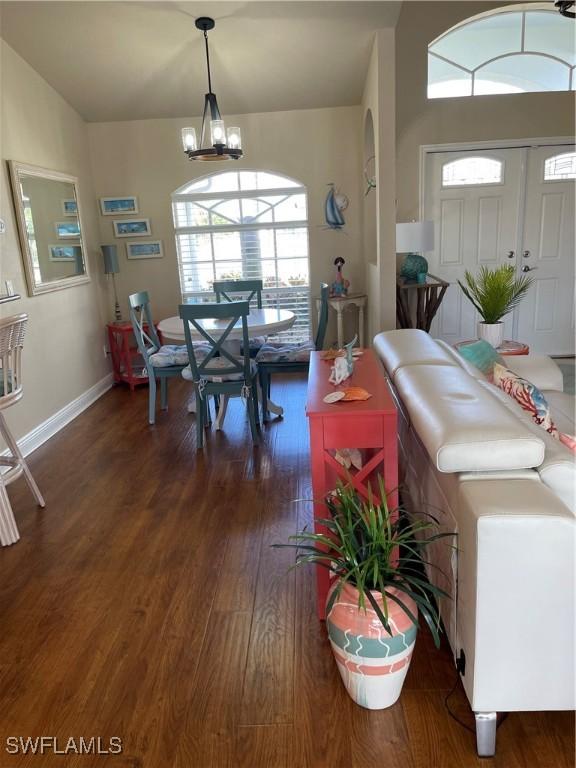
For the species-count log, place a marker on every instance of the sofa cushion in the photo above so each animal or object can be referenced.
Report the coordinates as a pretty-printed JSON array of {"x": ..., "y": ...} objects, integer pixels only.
[
  {"x": 539, "y": 369},
  {"x": 558, "y": 469},
  {"x": 410, "y": 346},
  {"x": 562, "y": 406},
  {"x": 463, "y": 428}
]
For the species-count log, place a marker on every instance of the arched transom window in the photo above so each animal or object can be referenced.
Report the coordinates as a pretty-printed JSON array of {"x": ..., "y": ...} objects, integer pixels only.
[
  {"x": 510, "y": 50},
  {"x": 245, "y": 225}
]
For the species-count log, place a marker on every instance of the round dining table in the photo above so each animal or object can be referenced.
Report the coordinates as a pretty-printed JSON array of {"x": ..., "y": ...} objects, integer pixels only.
[{"x": 261, "y": 322}]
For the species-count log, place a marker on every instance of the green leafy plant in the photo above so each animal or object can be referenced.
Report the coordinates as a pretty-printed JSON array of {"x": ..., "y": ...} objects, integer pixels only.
[
  {"x": 375, "y": 549},
  {"x": 495, "y": 292}
]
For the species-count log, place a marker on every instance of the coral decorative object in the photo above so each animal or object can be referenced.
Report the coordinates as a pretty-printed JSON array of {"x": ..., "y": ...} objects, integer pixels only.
[
  {"x": 372, "y": 663},
  {"x": 339, "y": 288}
]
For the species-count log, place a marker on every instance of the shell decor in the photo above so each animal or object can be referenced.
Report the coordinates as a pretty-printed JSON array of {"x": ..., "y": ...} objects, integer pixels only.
[{"x": 335, "y": 203}]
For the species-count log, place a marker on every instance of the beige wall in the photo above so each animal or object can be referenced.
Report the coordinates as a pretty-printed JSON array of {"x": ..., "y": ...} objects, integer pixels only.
[
  {"x": 63, "y": 354},
  {"x": 145, "y": 158},
  {"x": 420, "y": 121},
  {"x": 379, "y": 216}
]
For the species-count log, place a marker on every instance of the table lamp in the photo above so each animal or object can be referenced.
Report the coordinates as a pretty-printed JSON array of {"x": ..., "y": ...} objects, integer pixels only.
[
  {"x": 412, "y": 238},
  {"x": 111, "y": 267}
]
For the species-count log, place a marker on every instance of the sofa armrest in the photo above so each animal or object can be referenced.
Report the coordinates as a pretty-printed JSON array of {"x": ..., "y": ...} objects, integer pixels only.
[
  {"x": 515, "y": 597},
  {"x": 537, "y": 369}
]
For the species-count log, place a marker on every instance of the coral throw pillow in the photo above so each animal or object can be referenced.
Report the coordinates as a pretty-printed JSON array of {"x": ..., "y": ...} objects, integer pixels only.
[
  {"x": 527, "y": 395},
  {"x": 482, "y": 355}
]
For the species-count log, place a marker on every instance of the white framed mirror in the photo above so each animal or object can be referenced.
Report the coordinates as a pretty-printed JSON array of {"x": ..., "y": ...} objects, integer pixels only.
[{"x": 49, "y": 220}]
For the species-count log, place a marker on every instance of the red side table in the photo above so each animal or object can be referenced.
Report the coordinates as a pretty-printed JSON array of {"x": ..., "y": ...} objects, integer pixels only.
[
  {"x": 127, "y": 362},
  {"x": 369, "y": 425},
  {"x": 506, "y": 348}
]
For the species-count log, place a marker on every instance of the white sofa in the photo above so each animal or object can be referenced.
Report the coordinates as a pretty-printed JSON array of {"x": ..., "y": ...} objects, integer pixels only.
[{"x": 472, "y": 457}]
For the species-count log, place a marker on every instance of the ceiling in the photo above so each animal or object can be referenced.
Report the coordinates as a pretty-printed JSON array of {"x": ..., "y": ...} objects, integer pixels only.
[{"x": 137, "y": 60}]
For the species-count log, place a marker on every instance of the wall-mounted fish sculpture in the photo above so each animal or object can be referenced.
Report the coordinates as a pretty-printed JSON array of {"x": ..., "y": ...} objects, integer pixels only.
[{"x": 333, "y": 207}]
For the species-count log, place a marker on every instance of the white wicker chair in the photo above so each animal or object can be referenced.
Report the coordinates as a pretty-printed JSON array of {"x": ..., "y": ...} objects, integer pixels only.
[{"x": 12, "y": 331}]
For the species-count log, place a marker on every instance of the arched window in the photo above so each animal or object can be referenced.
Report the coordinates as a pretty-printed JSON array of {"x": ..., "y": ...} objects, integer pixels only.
[
  {"x": 515, "y": 49},
  {"x": 245, "y": 224}
]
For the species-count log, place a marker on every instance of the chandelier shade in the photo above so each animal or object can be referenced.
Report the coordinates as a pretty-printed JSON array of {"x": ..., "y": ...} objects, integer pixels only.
[{"x": 225, "y": 143}]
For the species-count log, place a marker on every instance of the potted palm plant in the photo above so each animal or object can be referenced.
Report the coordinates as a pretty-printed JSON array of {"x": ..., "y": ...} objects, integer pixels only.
[
  {"x": 494, "y": 293},
  {"x": 378, "y": 589}
]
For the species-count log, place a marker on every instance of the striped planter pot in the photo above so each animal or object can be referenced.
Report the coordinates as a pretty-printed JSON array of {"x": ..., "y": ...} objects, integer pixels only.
[{"x": 372, "y": 663}]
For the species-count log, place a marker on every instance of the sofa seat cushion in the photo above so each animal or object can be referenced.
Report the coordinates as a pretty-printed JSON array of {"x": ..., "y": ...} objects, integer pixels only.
[
  {"x": 562, "y": 407},
  {"x": 558, "y": 469},
  {"x": 463, "y": 428},
  {"x": 410, "y": 346}
]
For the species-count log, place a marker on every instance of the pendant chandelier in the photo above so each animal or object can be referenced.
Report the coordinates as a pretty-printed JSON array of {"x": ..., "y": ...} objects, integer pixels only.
[{"x": 226, "y": 143}]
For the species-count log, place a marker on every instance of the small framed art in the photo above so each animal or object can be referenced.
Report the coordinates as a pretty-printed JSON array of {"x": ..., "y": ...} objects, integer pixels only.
[
  {"x": 66, "y": 229},
  {"x": 65, "y": 252},
  {"x": 117, "y": 206},
  {"x": 132, "y": 228},
  {"x": 69, "y": 207},
  {"x": 150, "y": 250}
]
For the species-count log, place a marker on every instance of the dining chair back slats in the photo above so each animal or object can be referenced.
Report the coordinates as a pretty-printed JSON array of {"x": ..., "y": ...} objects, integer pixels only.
[
  {"x": 148, "y": 342},
  {"x": 322, "y": 317},
  {"x": 233, "y": 375},
  {"x": 12, "y": 332},
  {"x": 253, "y": 288}
]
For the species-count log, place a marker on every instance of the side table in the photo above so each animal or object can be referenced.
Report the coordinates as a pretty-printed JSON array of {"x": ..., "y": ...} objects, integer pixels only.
[
  {"x": 339, "y": 304},
  {"x": 127, "y": 363},
  {"x": 369, "y": 425},
  {"x": 507, "y": 347},
  {"x": 429, "y": 296}
]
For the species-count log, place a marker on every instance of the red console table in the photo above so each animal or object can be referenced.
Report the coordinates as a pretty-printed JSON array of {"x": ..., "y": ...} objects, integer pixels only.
[
  {"x": 369, "y": 425},
  {"x": 127, "y": 362}
]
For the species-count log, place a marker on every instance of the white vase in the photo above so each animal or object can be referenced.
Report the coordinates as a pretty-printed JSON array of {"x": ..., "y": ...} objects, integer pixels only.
[{"x": 493, "y": 333}]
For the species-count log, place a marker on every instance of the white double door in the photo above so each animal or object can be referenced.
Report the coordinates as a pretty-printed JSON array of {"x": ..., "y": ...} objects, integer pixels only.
[{"x": 505, "y": 207}]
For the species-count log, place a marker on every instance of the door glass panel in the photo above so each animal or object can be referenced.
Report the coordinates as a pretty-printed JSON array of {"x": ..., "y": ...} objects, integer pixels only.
[
  {"x": 560, "y": 167},
  {"x": 472, "y": 170}
]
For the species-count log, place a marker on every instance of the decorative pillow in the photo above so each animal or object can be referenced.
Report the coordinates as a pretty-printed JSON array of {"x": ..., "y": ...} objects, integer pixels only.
[
  {"x": 289, "y": 354},
  {"x": 527, "y": 395},
  {"x": 482, "y": 355},
  {"x": 568, "y": 440}
]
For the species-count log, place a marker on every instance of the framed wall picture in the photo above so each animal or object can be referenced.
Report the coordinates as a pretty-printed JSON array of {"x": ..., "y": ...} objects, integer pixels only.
[
  {"x": 70, "y": 253},
  {"x": 65, "y": 229},
  {"x": 150, "y": 250},
  {"x": 69, "y": 207},
  {"x": 118, "y": 206},
  {"x": 132, "y": 228}
]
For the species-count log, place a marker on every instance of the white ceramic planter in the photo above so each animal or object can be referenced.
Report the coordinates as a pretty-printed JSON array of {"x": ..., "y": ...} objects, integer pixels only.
[{"x": 493, "y": 333}]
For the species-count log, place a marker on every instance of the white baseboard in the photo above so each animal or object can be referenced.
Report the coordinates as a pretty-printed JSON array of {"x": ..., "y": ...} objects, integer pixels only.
[{"x": 58, "y": 420}]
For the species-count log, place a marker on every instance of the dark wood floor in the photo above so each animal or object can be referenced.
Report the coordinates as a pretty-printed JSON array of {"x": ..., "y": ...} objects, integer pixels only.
[{"x": 146, "y": 603}]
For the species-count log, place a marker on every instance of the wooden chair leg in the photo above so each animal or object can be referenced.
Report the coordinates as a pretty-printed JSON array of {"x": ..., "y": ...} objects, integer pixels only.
[
  {"x": 17, "y": 453},
  {"x": 151, "y": 400},
  {"x": 164, "y": 393},
  {"x": 8, "y": 529},
  {"x": 264, "y": 390},
  {"x": 199, "y": 421},
  {"x": 255, "y": 401},
  {"x": 252, "y": 416}
]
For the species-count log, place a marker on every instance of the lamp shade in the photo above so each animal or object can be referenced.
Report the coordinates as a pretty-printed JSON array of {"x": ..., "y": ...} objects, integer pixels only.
[
  {"x": 110, "y": 253},
  {"x": 415, "y": 237}
]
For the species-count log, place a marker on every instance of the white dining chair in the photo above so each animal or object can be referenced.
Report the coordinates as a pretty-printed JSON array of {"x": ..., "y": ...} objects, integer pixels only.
[{"x": 12, "y": 332}]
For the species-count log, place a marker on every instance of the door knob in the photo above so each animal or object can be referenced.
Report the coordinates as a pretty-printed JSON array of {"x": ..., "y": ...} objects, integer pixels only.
[
  {"x": 526, "y": 254},
  {"x": 510, "y": 254},
  {"x": 526, "y": 268}
]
